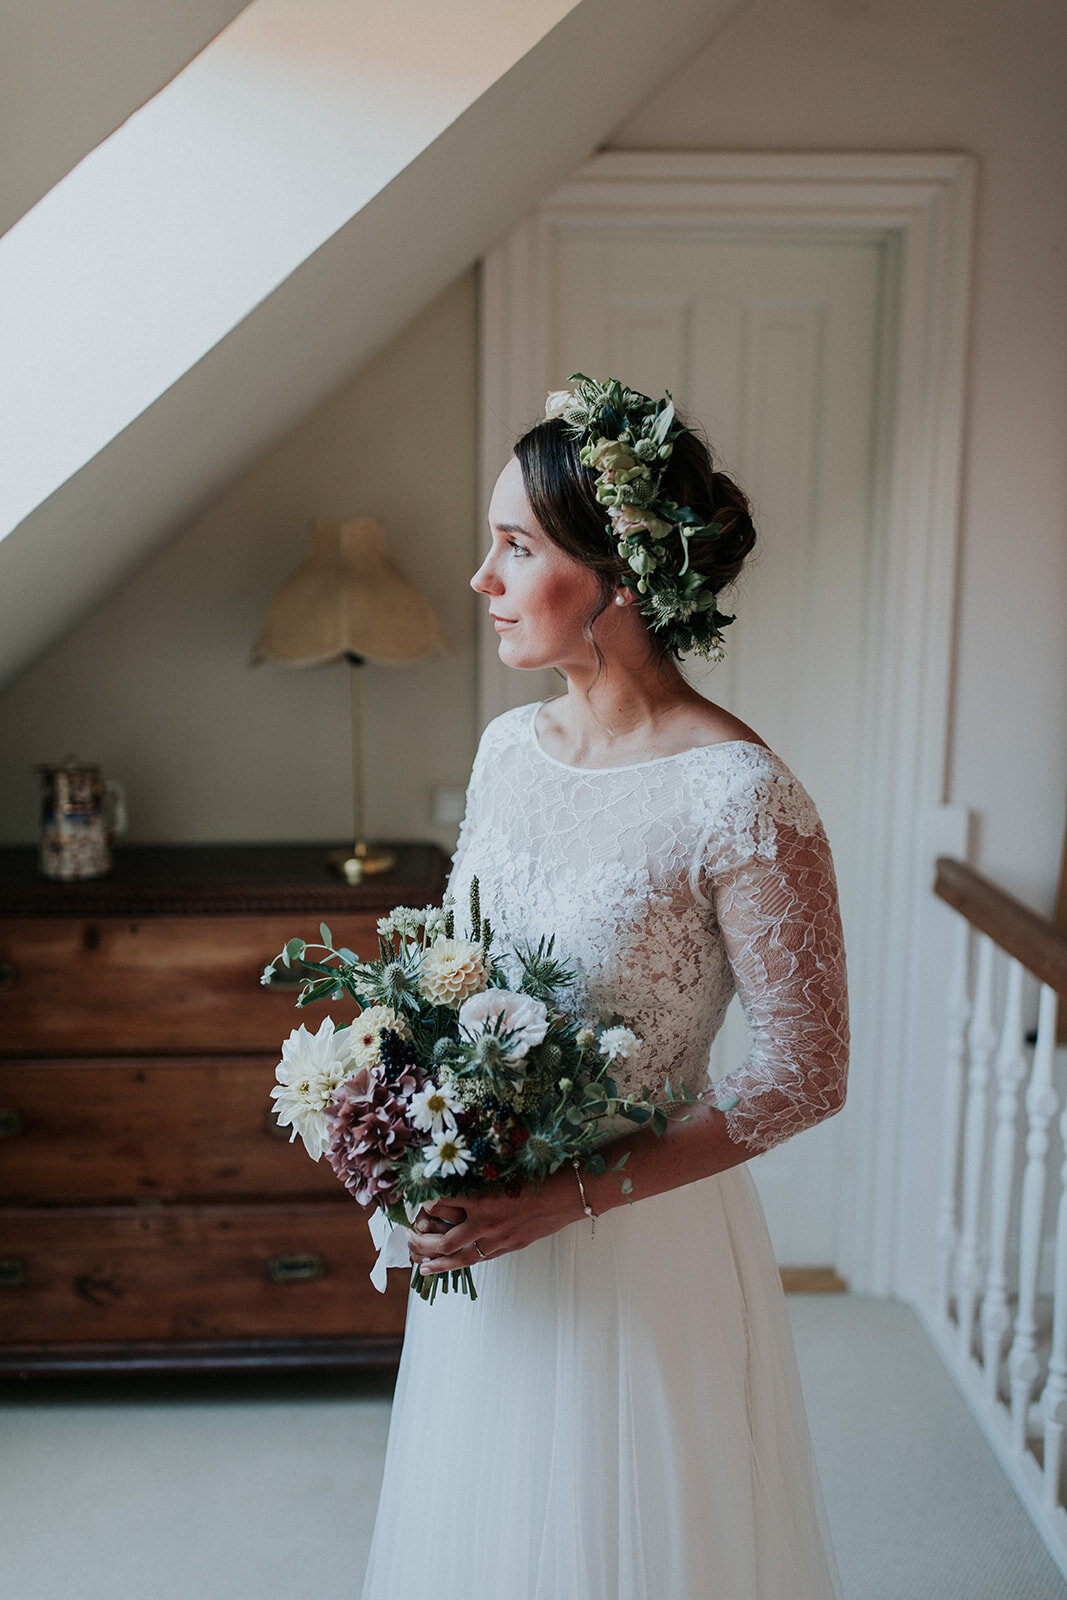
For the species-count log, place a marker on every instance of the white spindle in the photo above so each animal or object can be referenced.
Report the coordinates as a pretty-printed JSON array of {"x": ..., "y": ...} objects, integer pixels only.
[
  {"x": 1041, "y": 1105},
  {"x": 1054, "y": 1399},
  {"x": 959, "y": 1009},
  {"x": 981, "y": 1038},
  {"x": 1010, "y": 1074}
]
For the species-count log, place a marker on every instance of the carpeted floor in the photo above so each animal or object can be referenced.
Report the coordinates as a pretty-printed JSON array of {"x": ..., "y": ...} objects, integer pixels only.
[{"x": 251, "y": 1491}]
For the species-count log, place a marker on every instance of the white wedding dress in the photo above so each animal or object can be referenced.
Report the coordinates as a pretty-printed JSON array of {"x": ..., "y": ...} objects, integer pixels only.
[{"x": 620, "y": 1417}]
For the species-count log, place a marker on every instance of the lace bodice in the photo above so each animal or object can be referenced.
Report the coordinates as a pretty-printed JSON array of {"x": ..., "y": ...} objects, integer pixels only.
[{"x": 668, "y": 885}]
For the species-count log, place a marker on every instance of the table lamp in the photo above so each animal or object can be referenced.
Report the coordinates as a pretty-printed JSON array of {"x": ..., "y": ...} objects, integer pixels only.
[{"x": 348, "y": 600}]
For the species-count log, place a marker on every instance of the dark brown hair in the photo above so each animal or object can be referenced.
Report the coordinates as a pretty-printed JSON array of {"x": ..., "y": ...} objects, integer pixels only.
[{"x": 562, "y": 496}]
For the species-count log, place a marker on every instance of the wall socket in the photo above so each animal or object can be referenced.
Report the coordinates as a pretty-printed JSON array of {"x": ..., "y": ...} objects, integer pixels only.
[{"x": 447, "y": 806}]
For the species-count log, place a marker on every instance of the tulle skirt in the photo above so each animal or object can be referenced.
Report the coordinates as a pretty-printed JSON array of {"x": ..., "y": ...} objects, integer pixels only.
[{"x": 615, "y": 1418}]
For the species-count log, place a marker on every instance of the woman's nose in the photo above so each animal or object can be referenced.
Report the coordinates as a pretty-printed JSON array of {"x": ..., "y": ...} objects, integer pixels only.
[{"x": 485, "y": 580}]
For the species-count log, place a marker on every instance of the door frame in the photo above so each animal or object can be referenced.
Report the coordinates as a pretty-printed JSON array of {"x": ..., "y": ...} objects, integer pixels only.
[{"x": 922, "y": 207}]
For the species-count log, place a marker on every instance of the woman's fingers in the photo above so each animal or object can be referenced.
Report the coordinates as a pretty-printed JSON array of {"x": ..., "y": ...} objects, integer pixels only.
[
  {"x": 445, "y": 1243},
  {"x": 468, "y": 1257},
  {"x": 442, "y": 1213},
  {"x": 438, "y": 1217}
]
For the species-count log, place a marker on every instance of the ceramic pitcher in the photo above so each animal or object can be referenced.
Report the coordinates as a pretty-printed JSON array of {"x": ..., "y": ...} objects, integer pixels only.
[{"x": 81, "y": 813}]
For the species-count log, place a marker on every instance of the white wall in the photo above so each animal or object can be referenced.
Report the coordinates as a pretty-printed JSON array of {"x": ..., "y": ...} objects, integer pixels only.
[
  {"x": 72, "y": 70},
  {"x": 154, "y": 684},
  {"x": 984, "y": 76}
]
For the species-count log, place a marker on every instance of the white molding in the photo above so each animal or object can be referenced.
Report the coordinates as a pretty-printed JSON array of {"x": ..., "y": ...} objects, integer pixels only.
[{"x": 923, "y": 206}]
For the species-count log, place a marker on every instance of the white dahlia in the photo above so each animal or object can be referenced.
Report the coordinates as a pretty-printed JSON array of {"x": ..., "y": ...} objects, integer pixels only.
[
  {"x": 502, "y": 1011},
  {"x": 312, "y": 1069},
  {"x": 452, "y": 970},
  {"x": 363, "y": 1038}
]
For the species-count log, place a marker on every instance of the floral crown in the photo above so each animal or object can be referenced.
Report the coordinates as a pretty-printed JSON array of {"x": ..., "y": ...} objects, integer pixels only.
[{"x": 628, "y": 438}]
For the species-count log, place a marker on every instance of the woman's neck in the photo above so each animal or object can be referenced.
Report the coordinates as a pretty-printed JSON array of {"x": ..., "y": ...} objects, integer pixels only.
[{"x": 625, "y": 713}]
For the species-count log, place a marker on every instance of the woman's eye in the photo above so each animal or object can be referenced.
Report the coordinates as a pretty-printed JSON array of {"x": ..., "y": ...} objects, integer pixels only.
[{"x": 519, "y": 549}]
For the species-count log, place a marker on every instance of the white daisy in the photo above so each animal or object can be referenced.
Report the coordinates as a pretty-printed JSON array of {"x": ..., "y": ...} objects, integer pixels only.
[
  {"x": 447, "y": 1155},
  {"x": 433, "y": 1109}
]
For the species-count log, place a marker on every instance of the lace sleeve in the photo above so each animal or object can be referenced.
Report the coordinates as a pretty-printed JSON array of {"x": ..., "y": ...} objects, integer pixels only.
[
  {"x": 769, "y": 876},
  {"x": 471, "y": 809},
  {"x": 466, "y": 828}
]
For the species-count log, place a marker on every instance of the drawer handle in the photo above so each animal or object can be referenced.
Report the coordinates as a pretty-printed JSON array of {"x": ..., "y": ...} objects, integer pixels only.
[
  {"x": 11, "y": 1123},
  {"x": 9, "y": 974},
  {"x": 306, "y": 1267},
  {"x": 13, "y": 1272}
]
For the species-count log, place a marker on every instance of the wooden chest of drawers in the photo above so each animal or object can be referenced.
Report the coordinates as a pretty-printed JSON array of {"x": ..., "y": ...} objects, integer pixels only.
[{"x": 152, "y": 1215}]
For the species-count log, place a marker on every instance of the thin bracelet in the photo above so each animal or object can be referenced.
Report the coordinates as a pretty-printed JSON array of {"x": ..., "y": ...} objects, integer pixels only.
[{"x": 586, "y": 1207}]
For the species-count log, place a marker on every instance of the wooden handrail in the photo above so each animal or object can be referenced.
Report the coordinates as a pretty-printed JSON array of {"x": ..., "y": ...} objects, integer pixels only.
[{"x": 1033, "y": 940}]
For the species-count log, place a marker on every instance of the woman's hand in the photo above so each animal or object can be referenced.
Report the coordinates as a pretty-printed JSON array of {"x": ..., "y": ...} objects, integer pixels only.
[{"x": 444, "y": 1234}]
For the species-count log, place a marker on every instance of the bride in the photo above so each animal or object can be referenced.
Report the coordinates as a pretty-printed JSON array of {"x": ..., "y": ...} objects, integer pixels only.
[{"x": 619, "y": 1414}]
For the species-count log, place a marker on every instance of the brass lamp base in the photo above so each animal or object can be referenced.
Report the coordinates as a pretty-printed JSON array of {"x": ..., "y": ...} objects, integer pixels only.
[{"x": 361, "y": 861}]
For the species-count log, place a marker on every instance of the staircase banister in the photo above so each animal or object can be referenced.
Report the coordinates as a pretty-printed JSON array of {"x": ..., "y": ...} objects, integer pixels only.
[{"x": 1032, "y": 939}]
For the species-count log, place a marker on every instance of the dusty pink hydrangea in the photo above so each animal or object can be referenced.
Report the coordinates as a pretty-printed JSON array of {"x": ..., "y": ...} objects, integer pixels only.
[{"x": 369, "y": 1130}]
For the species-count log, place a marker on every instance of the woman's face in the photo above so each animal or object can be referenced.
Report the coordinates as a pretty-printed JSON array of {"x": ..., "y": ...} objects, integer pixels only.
[{"x": 539, "y": 597}]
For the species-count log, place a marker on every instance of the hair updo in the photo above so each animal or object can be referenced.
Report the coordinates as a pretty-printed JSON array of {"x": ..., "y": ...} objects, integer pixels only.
[{"x": 562, "y": 496}]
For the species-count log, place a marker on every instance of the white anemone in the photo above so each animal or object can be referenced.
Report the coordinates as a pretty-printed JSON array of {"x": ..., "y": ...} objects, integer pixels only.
[{"x": 501, "y": 1011}]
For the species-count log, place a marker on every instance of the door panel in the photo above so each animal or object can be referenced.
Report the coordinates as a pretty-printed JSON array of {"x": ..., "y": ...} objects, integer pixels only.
[{"x": 773, "y": 343}]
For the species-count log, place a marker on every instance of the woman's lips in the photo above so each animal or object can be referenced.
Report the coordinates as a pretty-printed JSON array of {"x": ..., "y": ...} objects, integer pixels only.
[{"x": 500, "y": 623}]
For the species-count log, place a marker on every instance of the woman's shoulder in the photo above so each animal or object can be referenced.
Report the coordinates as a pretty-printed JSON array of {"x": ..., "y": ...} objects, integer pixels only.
[
  {"x": 743, "y": 784},
  {"x": 509, "y": 728}
]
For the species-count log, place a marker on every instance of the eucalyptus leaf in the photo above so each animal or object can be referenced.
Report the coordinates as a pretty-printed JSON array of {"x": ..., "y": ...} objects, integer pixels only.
[
  {"x": 662, "y": 425},
  {"x": 325, "y": 989},
  {"x": 326, "y": 935},
  {"x": 319, "y": 966}
]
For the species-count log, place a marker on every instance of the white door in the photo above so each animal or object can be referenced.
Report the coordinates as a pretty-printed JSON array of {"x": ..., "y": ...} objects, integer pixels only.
[{"x": 774, "y": 343}]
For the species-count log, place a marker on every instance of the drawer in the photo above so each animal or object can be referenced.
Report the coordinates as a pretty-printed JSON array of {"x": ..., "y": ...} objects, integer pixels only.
[
  {"x": 174, "y": 1273},
  {"x": 175, "y": 985},
  {"x": 84, "y": 1131}
]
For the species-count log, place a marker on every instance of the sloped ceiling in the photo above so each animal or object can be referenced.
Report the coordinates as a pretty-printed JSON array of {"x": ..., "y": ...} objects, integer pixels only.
[
  {"x": 290, "y": 351},
  {"x": 72, "y": 70}
]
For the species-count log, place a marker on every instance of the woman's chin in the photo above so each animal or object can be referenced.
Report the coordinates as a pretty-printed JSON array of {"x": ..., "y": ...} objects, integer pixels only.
[{"x": 510, "y": 651}]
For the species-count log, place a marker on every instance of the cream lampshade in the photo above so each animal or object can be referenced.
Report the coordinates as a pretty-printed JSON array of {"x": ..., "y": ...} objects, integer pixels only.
[{"x": 348, "y": 600}]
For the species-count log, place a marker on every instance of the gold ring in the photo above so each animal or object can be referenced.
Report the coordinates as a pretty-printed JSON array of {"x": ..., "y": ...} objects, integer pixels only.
[{"x": 480, "y": 1251}]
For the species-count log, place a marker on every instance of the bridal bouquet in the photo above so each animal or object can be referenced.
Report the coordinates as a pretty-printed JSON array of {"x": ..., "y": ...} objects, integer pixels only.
[{"x": 448, "y": 1079}]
